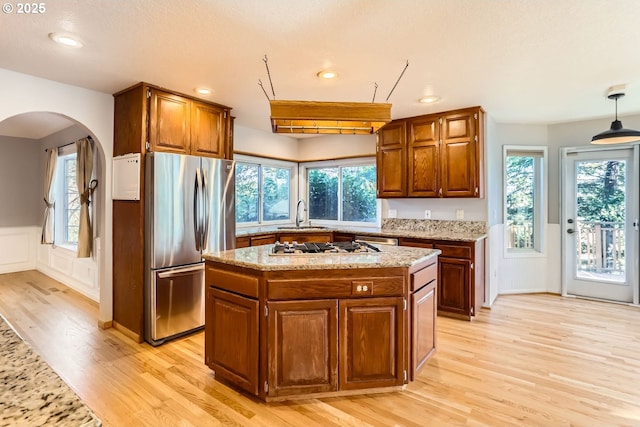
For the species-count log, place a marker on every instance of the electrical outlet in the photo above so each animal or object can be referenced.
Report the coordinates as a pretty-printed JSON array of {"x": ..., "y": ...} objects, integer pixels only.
[
  {"x": 427, "y": 214},
  {"x": 393, "y": 213},
  {"x": 460, "y": 214}
]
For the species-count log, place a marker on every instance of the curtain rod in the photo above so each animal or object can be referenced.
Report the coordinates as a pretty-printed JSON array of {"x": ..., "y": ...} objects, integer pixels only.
[{"x": 71, "y": 143}]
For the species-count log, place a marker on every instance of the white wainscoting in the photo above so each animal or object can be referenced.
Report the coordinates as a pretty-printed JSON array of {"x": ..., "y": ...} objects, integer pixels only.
[
  {"x": 541, "y": 273},
  {"x": 18, "y": 250},
  {"x": 80, "y": 274}
]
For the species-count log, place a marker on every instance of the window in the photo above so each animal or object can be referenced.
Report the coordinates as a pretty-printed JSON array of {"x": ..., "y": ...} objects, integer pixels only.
[
  {"x": 342, "y": 191},
  {"x": 67, "y": 210},
  {"x": 524, "y": 198},
  {"x": 263, "y": 190}
]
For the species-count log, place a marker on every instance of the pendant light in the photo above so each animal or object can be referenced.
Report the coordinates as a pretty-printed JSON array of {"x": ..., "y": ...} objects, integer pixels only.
[{"x": 617, "y": 134}]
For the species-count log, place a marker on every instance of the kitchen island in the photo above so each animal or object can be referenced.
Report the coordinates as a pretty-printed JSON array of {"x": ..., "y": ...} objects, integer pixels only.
[{"x": 284, "y": 326}]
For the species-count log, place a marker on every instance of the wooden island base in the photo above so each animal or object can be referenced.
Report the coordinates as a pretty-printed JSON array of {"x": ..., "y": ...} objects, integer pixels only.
[{"x": 317, "y": 331}]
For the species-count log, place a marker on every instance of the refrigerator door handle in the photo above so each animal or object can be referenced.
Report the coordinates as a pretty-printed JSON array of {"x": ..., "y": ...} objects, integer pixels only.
[
  {"x": 180, "y": 271},
  {"x": 206, "y": 213},
  {"x": 196, "y": 211}
]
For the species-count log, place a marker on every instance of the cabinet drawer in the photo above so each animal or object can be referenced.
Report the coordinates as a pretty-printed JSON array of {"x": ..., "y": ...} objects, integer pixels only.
[
  {"x": 335, "y": 288},
  {"x": 454, "y": 251},
  {"x": 233, "y": 282},
  {"x": 416, "y": 243},
  {"x": 265, "y": 239},
  {"x": 424, "y": 276},
  {"x": 304, "y": 237}
]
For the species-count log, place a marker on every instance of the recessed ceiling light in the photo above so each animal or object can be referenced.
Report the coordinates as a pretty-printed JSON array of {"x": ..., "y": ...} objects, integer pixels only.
[
  {"x": 429, "y": 99},
  {"x": 65, "y": 40},
  {"x": 203, "y": 91},
  {"x": 327, "y": 74}
]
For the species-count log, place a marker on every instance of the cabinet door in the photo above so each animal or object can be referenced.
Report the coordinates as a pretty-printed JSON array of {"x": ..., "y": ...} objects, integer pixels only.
[
  {"x": 424, "y": 154},
  {"x": 208, "y": 130},
  {"x": 169, "y": 122},
  {"x": 231, "y": 338},
  {"x": 454, "y": 293},
  {"x": 460, "y": 155},
  {"x": 303, "y": 347},
  {"x": 423, "y": 327},
  {"x": 371, "y": 343},
  {"x": 391, "y": 167}
]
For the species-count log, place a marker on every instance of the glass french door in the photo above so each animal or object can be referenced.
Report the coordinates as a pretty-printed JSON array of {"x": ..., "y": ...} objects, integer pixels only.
[{"x": 600, "y": 223}]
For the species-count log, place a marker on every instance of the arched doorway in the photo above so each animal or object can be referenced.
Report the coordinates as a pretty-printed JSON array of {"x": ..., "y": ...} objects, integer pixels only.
[{"x": 24, "y": 139}]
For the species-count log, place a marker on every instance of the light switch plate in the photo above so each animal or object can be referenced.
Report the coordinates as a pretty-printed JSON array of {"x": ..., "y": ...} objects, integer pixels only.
[
  {"x": 393, "y": 213},
  {"x": 427, "y": 214},
  {"x": 460, "y": 214}
]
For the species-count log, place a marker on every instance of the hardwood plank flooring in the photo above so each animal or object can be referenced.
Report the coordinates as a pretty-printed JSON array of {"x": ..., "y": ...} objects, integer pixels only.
[{"x": 538, "y": 360}]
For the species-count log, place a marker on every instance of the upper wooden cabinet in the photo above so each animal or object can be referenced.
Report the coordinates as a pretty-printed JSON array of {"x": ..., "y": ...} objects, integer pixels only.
[
  {"x": 436, "y": 155},
  {"x": 171, "y": 122},
  {"x": 179, "y": 124},
  {"x": 391, "y": 158}
]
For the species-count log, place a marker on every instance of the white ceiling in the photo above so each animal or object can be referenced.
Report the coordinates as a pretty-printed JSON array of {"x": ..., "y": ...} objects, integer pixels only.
[{"x": 524, "y": 61}]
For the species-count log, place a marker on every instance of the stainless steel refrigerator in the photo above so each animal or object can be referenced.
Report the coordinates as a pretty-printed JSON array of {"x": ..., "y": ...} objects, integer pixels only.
[{"x": 190, "y": 210}]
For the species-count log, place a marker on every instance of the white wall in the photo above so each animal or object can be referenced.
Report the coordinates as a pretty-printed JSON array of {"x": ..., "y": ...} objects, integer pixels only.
[
  {"x": 267, "y": 144},
  {"x": 23, "y": 93},
  {"x": 20, "y": 182},
  {"x": 336, "y": 147}
]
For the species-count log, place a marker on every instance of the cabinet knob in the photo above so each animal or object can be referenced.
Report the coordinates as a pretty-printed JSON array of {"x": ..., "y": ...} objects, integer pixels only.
[
  {"x": 359, "y": 288},
  {"x": 365, "y": 288}
]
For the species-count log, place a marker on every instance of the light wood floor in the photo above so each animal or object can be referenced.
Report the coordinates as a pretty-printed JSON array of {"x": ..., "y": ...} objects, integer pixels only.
[{"x": 538, "y": 360}]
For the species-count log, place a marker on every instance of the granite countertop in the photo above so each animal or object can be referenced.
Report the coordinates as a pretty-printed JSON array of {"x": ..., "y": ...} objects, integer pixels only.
[
  {"x": 460, "y": 231},
  {"x": 257, "y": 257}
]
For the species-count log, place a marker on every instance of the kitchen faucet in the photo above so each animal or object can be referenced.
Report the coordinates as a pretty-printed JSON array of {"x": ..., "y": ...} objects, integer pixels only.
[{"x": 304, "y": 208}]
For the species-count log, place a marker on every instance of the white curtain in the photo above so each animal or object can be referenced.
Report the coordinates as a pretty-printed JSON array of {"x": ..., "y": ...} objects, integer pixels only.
[
  {"x": 84, "y": 168},
  {"x": 49, "y": 200}
]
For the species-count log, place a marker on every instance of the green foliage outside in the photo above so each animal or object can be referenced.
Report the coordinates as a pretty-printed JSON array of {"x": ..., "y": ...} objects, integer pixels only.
[
  {"x": 358, "y": 199},
  {"x": 275, "y": 193},
  {"x": 247, "y": 192},
  {"x": 358, "y": 193},
  {"x": 601, "y": 191}
]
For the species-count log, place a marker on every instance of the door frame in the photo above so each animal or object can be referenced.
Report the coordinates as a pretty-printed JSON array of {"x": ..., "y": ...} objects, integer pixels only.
[{"x": 635, "y": 271}]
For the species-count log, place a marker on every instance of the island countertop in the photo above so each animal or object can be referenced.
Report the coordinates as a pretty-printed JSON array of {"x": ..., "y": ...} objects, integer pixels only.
[{"x": 260, "y": 258}]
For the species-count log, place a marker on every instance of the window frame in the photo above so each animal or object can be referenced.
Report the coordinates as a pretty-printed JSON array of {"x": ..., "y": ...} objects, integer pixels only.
[
  {"x": 540, "y": 195},
  {"x": 61, "y": 185},
  {"x": 340, "y": 163},
  {"x": 293, "y": 192}
]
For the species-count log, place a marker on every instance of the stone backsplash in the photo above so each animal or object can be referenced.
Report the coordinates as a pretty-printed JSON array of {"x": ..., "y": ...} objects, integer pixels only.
[{"x": 434, "y": 225}]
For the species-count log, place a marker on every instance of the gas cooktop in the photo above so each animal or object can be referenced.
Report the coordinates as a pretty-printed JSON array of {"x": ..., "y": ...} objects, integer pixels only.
[{"x": 293, "y": 248}]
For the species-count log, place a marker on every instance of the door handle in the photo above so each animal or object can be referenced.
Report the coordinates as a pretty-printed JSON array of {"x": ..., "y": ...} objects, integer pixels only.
[
  {"x": 180, "y": 271},
  {"x": 570, "y": 231}
]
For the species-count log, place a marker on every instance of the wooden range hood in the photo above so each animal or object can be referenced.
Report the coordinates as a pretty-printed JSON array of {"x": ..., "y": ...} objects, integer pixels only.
[{"x": 311, "y": 117}]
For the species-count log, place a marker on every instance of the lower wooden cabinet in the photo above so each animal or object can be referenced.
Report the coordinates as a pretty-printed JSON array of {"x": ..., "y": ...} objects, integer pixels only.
[
  {"x": 423, "y": 327},
  {"x": 278, "y": 334},
  {"x": 371, "y": 343},
  {"x": 303, "y": 347},
  {"x": 455, "y": 295},
  {"x": 460, "y": 275},
  {"x": 231, "y": 338}
]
